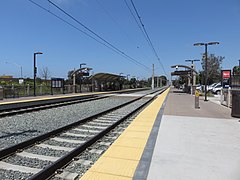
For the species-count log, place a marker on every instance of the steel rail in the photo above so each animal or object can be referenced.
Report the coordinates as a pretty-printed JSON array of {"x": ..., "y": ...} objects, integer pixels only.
[
  {"x": 48, "y": 106},
  {"x": 51, "y": 170},
  {"x": 55, "y": 103},
  {"x": 12, "y": 149}
]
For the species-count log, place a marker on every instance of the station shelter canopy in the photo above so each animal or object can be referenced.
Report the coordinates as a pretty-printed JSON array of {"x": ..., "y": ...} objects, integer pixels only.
[{"x": 105, "y": 77}]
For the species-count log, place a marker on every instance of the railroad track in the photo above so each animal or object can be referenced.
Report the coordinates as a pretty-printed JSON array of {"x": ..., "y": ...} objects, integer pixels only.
[
  {"x": 45, "y": 155},
  {"x": 53, "y": 104},
  {"x": 27, "y": 109}
]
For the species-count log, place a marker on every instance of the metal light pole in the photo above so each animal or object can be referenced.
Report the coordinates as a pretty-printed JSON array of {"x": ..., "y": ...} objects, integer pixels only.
[
  {"x": 82, "y": 64},
  {"x": 153, "y": 76},
  {"x": 35, "y": 72},
  {"x": 128, "y": 76},
  {"x": 206, "y": 57}
]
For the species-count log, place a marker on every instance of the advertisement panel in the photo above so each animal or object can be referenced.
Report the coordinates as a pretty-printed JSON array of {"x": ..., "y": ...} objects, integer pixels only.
[{"x": 226, "y": 78}]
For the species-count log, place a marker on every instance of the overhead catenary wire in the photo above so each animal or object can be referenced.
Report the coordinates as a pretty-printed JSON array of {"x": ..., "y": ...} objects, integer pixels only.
[
  {"x": 98, "y": 39},
  {"x": 120, "y": 28},
  {"x": 70, "y": 24},
  {"x": 98, "y": 36},
  {"x": 144, "y": 31},
  {"x": 135, "y": 19}
]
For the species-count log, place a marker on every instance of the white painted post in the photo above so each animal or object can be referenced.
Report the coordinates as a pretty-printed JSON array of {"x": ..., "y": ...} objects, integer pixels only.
[
  {"x": 221, "y": 96},
  {"x": 229, "y": 96}
]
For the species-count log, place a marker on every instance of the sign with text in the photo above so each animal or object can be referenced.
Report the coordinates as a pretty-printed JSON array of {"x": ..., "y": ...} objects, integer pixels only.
[{"x": 226, "y": 78}]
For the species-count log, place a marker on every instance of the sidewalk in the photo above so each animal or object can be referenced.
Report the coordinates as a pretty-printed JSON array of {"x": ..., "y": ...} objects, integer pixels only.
[{"x": 196, "y": 144}]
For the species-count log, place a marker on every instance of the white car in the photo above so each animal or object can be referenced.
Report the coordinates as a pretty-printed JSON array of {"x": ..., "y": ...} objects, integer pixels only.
[
  {"x": 199, "y": 87},
  {"x": 217, "y": 89},
  {"x": 210, "y": 87}
]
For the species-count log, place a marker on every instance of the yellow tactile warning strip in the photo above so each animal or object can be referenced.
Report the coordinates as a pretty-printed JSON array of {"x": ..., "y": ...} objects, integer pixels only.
[
  {"x": 48, "y": 98},
  {"x": 121, "y": 159}
]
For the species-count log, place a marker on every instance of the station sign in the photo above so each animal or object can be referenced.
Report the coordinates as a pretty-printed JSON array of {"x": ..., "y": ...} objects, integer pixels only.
[
  {"x": 226, "y": 78},
  {"x": 57, "y": 82},
  {"x": 21, "y": 81},
  {"x": 82, "y": 73}
]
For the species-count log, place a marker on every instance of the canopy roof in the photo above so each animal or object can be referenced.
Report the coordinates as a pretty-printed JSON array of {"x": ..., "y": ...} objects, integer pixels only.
[
  {"x": 183, "y": 66},
  {"x": 105, "y": 77}
]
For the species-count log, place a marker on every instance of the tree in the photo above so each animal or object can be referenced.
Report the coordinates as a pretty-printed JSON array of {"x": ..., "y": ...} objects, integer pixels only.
[
  {"x": 45, "y": 73},
  {"x": 213, "y": 68}
]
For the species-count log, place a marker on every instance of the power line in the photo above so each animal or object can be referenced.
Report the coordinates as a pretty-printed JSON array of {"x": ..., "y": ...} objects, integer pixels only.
[
  {"x": 70, "y": 24},
  {"x": 135, "y": 19},
  {"x": 147, "y": 36},
  {"x": 119, "y": 25},
  {"x": 101, "y": 38},
  {"x": 108, "y": 45}
]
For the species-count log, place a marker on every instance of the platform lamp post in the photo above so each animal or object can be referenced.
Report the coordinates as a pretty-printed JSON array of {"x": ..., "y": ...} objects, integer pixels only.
[
  {"x": 193, "y": 73},
  {"x": 35, "y": 72},
  {"x": 206, "y": 57},
  {"x": 82, "y": 64},
  {"x": 128, "y": 76},
  {"x": 120, "y": 81}
]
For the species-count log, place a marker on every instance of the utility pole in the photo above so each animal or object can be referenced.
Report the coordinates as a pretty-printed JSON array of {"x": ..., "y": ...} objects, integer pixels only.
[
  {"x": 153, "y": 76},
  {"x": 35, "y": 71},
  {"x": 17, "y": 65},
  {"x": 74, "y": 81}
]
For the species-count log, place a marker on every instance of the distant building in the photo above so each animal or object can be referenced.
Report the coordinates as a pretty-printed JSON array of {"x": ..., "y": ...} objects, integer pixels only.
[
  {"x": 6, "y": 77},
  {"x": 9, "y": 79}
]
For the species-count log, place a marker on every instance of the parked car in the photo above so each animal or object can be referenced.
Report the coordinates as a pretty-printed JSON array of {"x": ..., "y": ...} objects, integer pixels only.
[
  {"x": 199, "y": 87},
  {"x": 210, "y": 87},
  {"x": 217, "y": 89}
]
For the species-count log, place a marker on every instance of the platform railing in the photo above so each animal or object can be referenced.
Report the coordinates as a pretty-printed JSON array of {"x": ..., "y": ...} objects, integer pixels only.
[{"x": 24, "y": 90}]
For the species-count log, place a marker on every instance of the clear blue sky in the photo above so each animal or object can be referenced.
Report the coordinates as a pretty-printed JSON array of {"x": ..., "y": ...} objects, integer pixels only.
[{"x": 173, "y": 26}]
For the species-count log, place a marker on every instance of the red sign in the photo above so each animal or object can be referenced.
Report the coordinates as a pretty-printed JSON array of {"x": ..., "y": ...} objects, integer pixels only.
[{"x": 226, "y": 74}]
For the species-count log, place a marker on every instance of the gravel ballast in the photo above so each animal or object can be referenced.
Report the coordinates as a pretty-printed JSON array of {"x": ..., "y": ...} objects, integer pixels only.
[
  {"x": 18, "y": 128},
  {"x": 61, "y": 116}
]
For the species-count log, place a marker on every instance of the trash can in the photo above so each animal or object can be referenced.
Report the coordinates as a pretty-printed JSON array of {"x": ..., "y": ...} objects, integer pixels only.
[
  {"x": 1, "y": 93},
  {"x": 236, "y": 103}
]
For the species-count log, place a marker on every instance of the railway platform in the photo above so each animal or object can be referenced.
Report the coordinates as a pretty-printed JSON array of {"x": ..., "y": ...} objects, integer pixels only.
[{"x": 170, "y": 139}]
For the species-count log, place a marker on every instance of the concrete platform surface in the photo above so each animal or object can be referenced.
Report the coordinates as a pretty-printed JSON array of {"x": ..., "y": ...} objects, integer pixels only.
[{"x": 196, "y": 144}]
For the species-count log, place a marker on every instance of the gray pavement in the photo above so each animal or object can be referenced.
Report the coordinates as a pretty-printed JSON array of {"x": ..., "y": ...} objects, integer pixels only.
[{"x": 196, "y": 144}]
